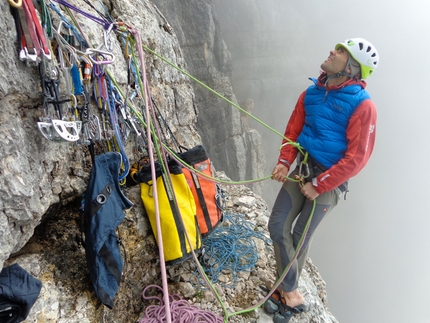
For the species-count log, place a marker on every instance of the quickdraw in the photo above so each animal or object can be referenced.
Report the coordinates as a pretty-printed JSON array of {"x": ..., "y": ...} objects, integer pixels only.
[
  {"x": 52, "y": 125},
  {"x": 34, "y": 44},
  {"x": 100, "y": 96},
  {"x": 117, "y": 130}
]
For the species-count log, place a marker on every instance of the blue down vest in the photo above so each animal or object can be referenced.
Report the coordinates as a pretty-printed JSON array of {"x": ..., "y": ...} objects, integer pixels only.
[{"x": 327, "y": 118}]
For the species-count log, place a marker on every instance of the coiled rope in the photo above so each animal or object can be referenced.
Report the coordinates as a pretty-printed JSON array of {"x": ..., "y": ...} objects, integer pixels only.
[
  {"x": 229, "y": 249},
  {"x": 181, "y": 311}
]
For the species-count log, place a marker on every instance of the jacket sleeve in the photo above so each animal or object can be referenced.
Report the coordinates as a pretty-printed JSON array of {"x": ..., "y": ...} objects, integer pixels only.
[
  {"x": 294, "y": 128},
  {"x": 360, "y": 134}
]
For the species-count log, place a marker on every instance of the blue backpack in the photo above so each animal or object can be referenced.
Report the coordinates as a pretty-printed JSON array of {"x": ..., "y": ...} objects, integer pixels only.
[{"x": 103, "y": 212}]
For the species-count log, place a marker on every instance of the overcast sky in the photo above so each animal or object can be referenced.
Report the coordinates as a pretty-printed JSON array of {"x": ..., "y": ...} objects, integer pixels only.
[{"x": 373, "y": 250}]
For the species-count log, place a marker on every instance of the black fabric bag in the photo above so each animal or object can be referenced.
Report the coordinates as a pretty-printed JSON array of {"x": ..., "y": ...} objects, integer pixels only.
[{"x": 18, "y": 292}]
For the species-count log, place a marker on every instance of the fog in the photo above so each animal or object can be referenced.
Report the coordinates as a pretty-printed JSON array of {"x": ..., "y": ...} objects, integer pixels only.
[{"x": 373, "y": 250}]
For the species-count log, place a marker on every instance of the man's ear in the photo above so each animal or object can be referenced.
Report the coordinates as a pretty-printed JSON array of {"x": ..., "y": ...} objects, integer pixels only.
[{"x": 348, "y": 70}]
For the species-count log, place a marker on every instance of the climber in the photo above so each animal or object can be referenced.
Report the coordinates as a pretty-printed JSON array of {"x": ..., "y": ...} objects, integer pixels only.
[{"x": 334, "y": 122}]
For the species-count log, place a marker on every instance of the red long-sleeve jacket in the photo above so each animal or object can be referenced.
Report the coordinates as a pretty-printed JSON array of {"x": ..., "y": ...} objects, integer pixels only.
[{"x": 360, "y": 133}]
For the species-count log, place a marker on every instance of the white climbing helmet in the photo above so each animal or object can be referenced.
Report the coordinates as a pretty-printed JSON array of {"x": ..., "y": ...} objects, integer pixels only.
[{"x": 363, "y": 52}]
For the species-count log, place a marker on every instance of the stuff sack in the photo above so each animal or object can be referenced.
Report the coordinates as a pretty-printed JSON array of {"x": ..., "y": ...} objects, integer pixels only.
[
  {"x": 18, "y": 292},
  {"x": 103, "y": 212},
  {"x": 175, "y": 218},
  {"x": 205, "y": 192}
]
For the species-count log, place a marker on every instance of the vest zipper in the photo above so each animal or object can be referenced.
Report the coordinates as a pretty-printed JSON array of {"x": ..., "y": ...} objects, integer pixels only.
[{"x": 325, "y": 95}]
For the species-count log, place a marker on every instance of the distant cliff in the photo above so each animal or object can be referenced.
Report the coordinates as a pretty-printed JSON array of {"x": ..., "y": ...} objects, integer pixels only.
[
  {"x": 231, "y": 143},
  {"x": 266, "y": 66}
]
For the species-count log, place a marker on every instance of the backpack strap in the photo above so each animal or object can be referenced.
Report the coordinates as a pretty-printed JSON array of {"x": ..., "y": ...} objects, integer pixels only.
[{"x": 202, "y": 200}]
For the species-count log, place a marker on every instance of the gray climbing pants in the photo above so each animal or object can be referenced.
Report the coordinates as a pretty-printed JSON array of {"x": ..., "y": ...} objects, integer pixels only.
[{"x": 287, "y": 223}]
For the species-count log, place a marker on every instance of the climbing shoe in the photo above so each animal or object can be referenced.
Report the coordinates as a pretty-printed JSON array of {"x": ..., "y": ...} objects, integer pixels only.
[
  {"x": 283, "y": 315},
  {"x": 275, "y": 301},
  {"x": 285, "y": 312},
  {"x": 272, "y": 304}
]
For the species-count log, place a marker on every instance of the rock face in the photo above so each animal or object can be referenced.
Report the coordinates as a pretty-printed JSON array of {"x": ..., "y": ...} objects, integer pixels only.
[
  {"x": 37, "y": 173},
  {"x": 41, "y": 181}
]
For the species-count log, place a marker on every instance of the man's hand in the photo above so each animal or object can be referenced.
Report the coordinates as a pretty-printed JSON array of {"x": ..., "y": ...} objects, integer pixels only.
[
  {"x": 309, "y": 191},
  {"x": 279, "y": 173}
]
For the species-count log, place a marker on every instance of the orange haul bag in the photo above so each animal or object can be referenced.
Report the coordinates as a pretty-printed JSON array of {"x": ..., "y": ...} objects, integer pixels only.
[{"x": 205, "y": 191}]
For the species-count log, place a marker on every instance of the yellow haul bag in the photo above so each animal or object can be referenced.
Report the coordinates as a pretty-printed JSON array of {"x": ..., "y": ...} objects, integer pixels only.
[{"x": 177, "y": 217}]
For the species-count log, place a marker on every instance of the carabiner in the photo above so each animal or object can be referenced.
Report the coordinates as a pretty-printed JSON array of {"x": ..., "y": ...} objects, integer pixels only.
[
  {"x": 92, "y": 51},
  {"x": 305, "y": 175},
  {"x": 108, "y": 43},
  {"x": 300, "y": 177},
  {"x": 15, "y": 4},
  {"x": 27, "y": 58}
]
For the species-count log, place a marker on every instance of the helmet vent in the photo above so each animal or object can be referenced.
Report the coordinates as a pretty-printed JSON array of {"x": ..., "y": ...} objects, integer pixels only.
[{"x": 363, "y": 52}]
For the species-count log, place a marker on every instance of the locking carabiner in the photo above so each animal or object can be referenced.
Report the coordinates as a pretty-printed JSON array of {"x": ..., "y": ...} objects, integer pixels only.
[{"x": 301, "y": 176}]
